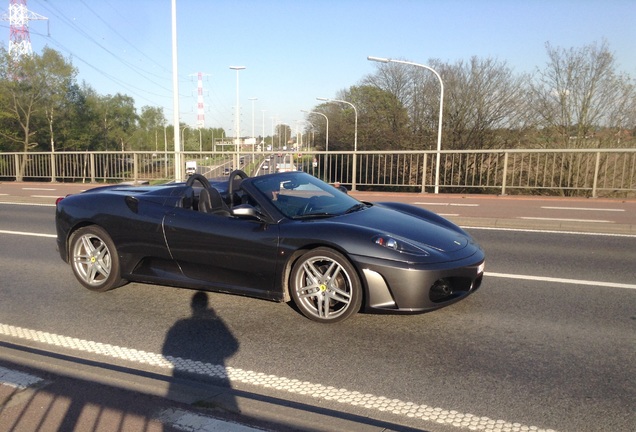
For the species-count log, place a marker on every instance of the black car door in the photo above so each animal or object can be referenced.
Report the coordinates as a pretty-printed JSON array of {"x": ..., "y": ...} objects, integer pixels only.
[{"x": 225, "y": 253}]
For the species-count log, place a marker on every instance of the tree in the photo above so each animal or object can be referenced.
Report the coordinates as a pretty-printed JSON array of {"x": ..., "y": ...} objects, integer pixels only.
[
  {"x": 579, "y": 92},
  {"x": 60, "y": 76},
  {"x": 150, "y": 131},
  {"x": 382, "y": 118},
  {"x": 482, "y": 97},
  {"x": 407, "y": 84},
  {"x": 80, "y": 121},
  {"x": 118, "y": 121},
  {"x": 485, "y": 98},
  {"x": 32, "y": 90},
  {"x": 282, "y": 134}
]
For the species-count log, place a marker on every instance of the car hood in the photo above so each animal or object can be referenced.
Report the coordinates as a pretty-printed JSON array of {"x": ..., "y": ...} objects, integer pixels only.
[{"x": 427, "y": 233}]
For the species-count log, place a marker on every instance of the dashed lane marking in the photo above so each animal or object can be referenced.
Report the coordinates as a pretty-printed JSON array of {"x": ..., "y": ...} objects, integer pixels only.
[
  {"x": 38, "y": 189},
  {"x": 446, "y": 204},
  {"x": 317, "y": 391},
  {"x": 583, "y": 209},
  {"x": 565, "y": 220}
]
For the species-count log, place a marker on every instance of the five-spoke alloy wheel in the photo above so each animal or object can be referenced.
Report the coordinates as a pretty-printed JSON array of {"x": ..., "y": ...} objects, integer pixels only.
[
  {"x": 325, "y": 286},
  {"x": 94, "y": 259}
]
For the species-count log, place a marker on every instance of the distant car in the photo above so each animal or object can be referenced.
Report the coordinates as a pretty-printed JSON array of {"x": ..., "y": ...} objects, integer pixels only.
[
  {"x": 265, "y": 167},
  {"x": 191, "y": 167},
  {"x": 227, "y": 171},
  {"x": 283, "y": 237},
  {"x": 285, "y": 167}
]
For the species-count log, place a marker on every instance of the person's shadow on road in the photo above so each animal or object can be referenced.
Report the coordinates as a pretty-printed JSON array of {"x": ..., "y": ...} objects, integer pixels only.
[{"x": 198, "y": 347}]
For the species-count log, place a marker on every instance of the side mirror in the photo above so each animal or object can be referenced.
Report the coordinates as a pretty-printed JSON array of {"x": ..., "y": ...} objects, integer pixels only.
[{"x": 247, "y": 211}]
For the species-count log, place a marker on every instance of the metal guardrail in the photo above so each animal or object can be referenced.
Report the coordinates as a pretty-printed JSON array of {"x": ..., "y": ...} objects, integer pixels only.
[{"x": 582, "y": 172}]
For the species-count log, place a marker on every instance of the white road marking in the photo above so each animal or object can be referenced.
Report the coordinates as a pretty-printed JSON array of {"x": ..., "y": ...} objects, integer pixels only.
[
  {"x": 45, "y": 196},
  {"x": 343, "y": 396},
  {"x": 561, "y": 280},
  {"x": 583, "y": 209},
  {"x": 565, "y": 220},
  {"x": 31, "y": 234},
  {"x": 38, "y": 189},
  {"x": 28, "y": 204},
  {"x": 446, "y": 204},
  {"x": 529, "y": 230}
]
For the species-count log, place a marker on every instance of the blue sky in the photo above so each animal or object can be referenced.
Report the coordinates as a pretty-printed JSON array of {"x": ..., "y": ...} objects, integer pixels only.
[{"x": 295, "y": 51}]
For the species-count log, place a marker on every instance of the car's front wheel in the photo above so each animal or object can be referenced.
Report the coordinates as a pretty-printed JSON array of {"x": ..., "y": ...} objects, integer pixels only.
[
  {"x": 325, "y": 286},
  {"x": 94, "y": 259}
]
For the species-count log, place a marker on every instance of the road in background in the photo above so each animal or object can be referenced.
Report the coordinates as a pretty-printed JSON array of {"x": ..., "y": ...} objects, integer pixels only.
[{"x": 549, "y": 213}]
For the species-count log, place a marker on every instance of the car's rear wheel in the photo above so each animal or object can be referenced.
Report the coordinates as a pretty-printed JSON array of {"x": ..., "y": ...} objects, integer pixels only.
[
  {"x": 94, "y": 259},
  {"x": 325, "y": 286}
]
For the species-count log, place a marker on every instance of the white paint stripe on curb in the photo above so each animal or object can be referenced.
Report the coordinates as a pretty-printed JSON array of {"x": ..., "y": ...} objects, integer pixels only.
[{"x": 343, "y": 396}]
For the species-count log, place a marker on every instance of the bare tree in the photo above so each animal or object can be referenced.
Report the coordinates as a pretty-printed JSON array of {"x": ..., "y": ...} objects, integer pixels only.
[
  {"x": 579, "y": 92},
  {"x": 486, "y": 101},
  {"x": 482, "y": 98}
]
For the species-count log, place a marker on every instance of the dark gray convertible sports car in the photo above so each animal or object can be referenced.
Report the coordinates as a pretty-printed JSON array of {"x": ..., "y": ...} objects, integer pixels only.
[{"x": 283, "y": 237}]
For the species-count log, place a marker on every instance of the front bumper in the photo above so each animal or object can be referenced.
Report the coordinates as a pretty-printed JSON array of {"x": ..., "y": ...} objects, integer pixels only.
[{"x": 401, "y": 287}]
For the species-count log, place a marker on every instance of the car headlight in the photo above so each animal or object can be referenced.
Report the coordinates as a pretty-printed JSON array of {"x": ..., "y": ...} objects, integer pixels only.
[{"x": 399, "y": 245}]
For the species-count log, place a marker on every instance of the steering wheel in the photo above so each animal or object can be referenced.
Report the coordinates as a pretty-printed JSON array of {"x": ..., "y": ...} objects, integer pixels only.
[
  {"x": 231, "y": 184},
  {"x": 198, "y": 177}
]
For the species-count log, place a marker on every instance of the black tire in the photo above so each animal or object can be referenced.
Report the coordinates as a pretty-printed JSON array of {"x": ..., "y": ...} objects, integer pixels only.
[
  {"x": 325, "y": 286},
  {"x": 94, "y": 259}
]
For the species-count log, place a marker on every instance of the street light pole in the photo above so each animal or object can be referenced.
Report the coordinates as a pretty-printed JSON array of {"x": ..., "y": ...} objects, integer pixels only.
[
  {"x": 355, "y": 139},
  {"x": 441, "y": 108},
  {"x": 263, "y": 133},
  {"x": 237, "y": 120},
  {"x": 178, "y": 172},
  {"x": 326, "y": 141},
  {"x": 253, "y": 99}
]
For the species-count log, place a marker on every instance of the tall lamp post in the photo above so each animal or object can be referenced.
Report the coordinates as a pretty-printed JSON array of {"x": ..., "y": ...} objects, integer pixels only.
[
  {"x": 253, "y": 99},
  {"x": 355, "y": 139},
  {"x": 263, "y": 131},
  {"x": 326, "y": 140},
  {"x": 237, "y": 113},
  {"x": 178, "y": 171},
  {"x": 183, "y": 135},
  {"x": 441, "y": 108}
]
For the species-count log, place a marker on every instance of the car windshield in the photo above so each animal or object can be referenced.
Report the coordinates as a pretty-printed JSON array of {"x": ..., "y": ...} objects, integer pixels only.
[{"x": 302, "y": 196}]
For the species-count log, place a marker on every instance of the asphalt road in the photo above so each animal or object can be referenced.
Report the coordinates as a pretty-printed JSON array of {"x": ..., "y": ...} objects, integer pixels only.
[{"x": 548, "y": 342}]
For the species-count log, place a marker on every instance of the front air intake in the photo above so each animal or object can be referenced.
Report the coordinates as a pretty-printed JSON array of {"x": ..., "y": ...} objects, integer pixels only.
[{"x": 449, "y": 288}]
